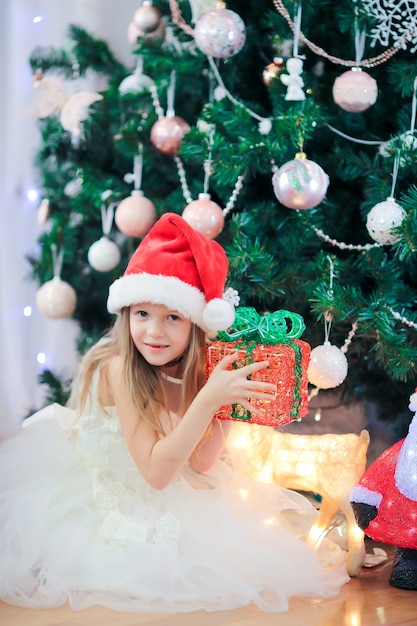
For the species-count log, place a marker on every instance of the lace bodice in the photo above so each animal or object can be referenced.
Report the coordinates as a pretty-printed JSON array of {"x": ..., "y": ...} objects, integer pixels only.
[{"x": 128, "y": 507}]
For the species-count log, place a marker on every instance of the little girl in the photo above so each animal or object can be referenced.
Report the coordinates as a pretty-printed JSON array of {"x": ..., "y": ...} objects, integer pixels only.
[{"x": 125, "y": 501}]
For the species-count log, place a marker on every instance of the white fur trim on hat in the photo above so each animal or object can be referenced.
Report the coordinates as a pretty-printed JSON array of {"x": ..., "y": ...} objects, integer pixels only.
[
  {"x": 157, "y": 289},
  {"x": 366, "y": 496}
]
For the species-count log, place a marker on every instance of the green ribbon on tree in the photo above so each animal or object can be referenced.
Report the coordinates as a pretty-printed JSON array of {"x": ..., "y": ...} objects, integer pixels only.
[
  {"x": 250, "y": 329},
  {"x": 271, "y": 328}
]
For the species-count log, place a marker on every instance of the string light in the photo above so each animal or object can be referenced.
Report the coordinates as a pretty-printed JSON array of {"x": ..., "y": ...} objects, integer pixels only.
[
  {"x": 41, "y": 358},
  {"x": 27, "y": 311}
]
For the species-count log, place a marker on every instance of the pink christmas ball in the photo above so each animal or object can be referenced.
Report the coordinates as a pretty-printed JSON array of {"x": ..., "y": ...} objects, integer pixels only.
[
  {"x": 300, "y": 183},
  {"x": 167, "y": 134},
  {"x": 135, "y": 215},
  {"x": 355, "y": 91},
  {"x": 220, "y": 33},
  {"x": 56, "y": 299},
  {"x": 205, "y": 216}
]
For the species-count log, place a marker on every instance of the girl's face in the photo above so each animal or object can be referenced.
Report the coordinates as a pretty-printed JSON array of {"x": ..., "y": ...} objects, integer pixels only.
[{"x": 159, "y": 334}]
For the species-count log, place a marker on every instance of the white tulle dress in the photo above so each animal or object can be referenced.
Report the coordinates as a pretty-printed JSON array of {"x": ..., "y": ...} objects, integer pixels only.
[{"x": 80, "y": 525}]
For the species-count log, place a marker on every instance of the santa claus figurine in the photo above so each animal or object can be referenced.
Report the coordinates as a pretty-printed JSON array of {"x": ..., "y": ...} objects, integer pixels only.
[{"x": 385, "y": 503}]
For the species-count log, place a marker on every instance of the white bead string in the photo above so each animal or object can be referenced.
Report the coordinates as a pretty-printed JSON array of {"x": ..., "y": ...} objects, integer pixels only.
[
  {"x": 207, "y": 164},
  {"x": 341, "y": 244},
  {"x": 401, "y": 318}
]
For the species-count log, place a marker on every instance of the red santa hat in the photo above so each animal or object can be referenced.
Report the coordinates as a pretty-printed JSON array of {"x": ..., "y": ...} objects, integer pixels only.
[{"x": 179, "y": 267}]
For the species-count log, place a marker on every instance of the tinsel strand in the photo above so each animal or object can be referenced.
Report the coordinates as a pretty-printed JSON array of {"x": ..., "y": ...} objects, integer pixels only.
[{"x": 372, "y": 62}]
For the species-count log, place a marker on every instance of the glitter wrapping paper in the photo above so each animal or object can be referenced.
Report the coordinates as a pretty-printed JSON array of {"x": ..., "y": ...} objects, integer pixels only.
[{"x": 291, "y": 402}]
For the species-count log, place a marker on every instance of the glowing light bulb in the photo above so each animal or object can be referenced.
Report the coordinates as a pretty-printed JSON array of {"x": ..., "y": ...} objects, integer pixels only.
[
  {"x": 27, "y": 311},
  {"x": 37, "y": 19},
  {"x": 32, "y": 194},
  {"x": 41, "y": 357}
]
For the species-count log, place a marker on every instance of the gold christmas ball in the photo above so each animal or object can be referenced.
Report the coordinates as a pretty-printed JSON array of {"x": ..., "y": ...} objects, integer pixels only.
[{"x": 273, "y": 70}]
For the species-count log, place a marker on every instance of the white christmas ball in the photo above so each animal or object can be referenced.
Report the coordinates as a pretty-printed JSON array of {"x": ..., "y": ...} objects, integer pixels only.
[
  {"x": 135, "y": 83},
  {"x": 56, "y": 299},
  {"x": 103, "y": 255},
  {"x": 300, "y": 183},
  {"x": 135, "y": 215},
  {"x": 220, "y": 33},
  {"x": 205, "y": 216},
  {"x": 328, "y": 366},
  {"x": 355, "y": 90},
  {"x": 382, "y": 219},
  {"x": 147, "y": 18}
]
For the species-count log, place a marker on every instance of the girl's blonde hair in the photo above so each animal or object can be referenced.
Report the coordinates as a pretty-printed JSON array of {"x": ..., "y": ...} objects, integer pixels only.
[{"x": 143, "y": 381}]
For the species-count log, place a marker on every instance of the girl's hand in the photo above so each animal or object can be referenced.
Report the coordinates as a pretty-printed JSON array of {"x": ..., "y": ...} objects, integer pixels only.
[{"x": 233, "y": 386}]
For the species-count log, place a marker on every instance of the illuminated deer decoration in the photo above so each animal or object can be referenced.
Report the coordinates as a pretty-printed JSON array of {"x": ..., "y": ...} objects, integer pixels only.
[{"x": 328, "y": 465}]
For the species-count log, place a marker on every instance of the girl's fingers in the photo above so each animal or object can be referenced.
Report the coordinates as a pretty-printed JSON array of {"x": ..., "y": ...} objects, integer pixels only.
[{"x": 226, "y": 361}]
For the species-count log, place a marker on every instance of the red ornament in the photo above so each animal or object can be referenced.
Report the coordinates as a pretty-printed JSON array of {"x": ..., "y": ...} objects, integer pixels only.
[
  {"x": 355, "y": 90},
  {"x": 135, "y": 215},
  {"x": 205, "y": 215},
  {"x": 167, "y": 134}
]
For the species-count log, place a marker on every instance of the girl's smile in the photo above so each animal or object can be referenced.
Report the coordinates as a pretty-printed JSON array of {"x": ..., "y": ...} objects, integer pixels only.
[{"x": 159, "y": 334}]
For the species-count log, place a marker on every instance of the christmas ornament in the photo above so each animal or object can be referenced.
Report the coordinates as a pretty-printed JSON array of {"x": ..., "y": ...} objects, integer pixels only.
[
  {"x": 382, "y": 218},
  {"x": 103, "y": 255},
  {"x": 220, "y": 33},
  {"x": 155, "y": 37},
  {"x": 73, "y": 187},
  {"x": 49, "y": 97},
  {"x": 355, "y": 90},
  {"x": 385, "y": 503},
  {"x": 135, "y": 215},
  {"x": 205, "y": 216},
  {"x": 56, "y": 299},
  {"x": 136, "y": 82},
  {"x": 167, "y": 134},
  {"x": 147, "y": 18},
  {"x": 75, "y": 111},
  {"x": 273, "y": 337},
  {"x": 44, "y": 212},
  {"x": 328, "y": 366},
  {"x": 272, "y": 71},
  {"x": 300, "y": 183},
  {"x": 293, "y": 80},
  {"x": 390, "y": 23}
]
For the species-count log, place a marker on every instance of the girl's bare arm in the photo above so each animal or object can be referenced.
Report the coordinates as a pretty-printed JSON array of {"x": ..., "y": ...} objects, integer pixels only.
[{"x": 160, "y": 459}]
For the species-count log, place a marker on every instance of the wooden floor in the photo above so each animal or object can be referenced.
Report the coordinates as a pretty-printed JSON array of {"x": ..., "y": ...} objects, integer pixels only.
[{"x": 365, "y": 601}]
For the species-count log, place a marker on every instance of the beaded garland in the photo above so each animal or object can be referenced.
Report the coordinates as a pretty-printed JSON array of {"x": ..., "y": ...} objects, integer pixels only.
[{"x": 259, "y": 338}]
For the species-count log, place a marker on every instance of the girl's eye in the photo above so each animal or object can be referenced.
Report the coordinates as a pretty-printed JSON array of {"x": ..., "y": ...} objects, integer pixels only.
[
  {"x": 141, "y": 313},
  {"x": 173, "y": 317}
]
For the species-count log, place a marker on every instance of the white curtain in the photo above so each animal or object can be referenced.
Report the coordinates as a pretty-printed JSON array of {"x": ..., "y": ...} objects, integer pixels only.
[{"x": 23, "y": 338}]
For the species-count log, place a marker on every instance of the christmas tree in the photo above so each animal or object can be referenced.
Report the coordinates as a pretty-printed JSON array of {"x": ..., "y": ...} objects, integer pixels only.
[{"x": 283, "y": 129}]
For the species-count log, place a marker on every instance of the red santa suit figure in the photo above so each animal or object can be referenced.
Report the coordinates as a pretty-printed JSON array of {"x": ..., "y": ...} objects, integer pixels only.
[{"x": 385, "y": 503}]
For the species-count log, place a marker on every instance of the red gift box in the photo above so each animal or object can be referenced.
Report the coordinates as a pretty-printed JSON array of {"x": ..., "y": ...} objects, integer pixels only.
[{"x": 287, "y": 369}]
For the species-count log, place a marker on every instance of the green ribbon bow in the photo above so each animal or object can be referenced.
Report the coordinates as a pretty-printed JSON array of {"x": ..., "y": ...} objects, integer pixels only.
[{"x": 271, "y": 328}]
